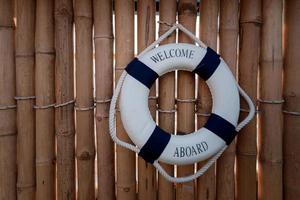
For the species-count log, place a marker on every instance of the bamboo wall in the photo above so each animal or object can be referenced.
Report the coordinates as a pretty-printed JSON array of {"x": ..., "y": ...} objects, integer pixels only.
[{"x": 60, "y": 60}]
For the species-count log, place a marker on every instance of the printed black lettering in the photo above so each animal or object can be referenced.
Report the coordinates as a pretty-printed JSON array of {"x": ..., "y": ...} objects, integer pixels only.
[
  {"x": 177, "y": 52},
  {"x": 188, "y": 151},
  {"x": 176, "y": 154},
  {"x": 182, "y": 152},
  {"x": 191, "y": 56},
  {"x": 154, "y": 58}
]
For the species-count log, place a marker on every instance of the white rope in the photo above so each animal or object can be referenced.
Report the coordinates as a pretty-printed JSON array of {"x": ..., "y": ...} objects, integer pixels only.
[{"x": 131, "y": 147}]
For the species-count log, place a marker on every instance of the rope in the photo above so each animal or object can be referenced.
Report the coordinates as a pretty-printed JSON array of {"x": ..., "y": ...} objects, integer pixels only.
[{"x": 112, "y": 112}]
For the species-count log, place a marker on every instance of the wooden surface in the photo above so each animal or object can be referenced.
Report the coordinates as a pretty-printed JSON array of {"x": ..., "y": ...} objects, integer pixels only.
[
  {"x": 291, "y": 137},
  {"x": 126, "y": 166},
  {"x": 166, "y": 121},
  {"x": 25, "y": 88},
  {"x": 270, "y": 118},
  {"x": 146, "y": 35},
  {"x": 187, "y": 13},
  {"x": 64, "y": 92},
  {"x": 249, "y": 45},
  {"x": 229, "y": 30},
  {"x": 103, "y": 40},
  {"x": 85, "y": 137},
  {"x": 209, "y": 10},
  {"x": 8, "y": 130},
  {"x": 45, "y": 95}
]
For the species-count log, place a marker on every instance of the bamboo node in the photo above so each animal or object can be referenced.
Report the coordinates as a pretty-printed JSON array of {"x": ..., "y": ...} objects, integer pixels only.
[
  {"x": 24, "y": 55},
  {"x": 7, "y": 27},
  {"x": 203, "y": 114},
  {"x": 247, "y": 110},
  {"x": 45, "y": 162},
  {"x": 271, "y": 101},
  {"x": 85, "y": 155},
  {"x": 8, "y": 107},
  {"x": 291, "y": 113},
  {"x": 152, "y": 97},
  {"x": 77, "y": 108},
  {"x": 64, "y": 104},
  {"x": 24, "y": 98},
  {"x": 100, "y": 117},
  {"x": 101, "y": 101},
  {"x": 45, "y": 52},
  {"x": 21, "y": 187},
  {"x": 166, "y": 111},
  {"x": 111, "y": 37},
  {"x": 165, "y": 23},
  {"x": 185, "y": 100},
  {"x": 44, "y": 106},
  {"x": 257, "y": 21},
  {"x": 65, "y": 133},
  {"x": 9, "y": 134}
]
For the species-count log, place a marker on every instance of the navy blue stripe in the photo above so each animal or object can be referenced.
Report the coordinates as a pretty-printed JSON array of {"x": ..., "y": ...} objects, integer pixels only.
[
  {"x": 141, "y": 72},
  {"x": 155, "y": 145},
  {"x": 221, "y": 128},
  {"x": 208, "y": 64}
]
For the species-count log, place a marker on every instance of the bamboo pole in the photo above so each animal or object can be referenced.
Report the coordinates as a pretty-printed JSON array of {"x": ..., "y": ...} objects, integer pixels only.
[
  {"x": 103, "y": 39},
  {"x": 229, "y": 27},
  {"x": 124, "y": 24},
  {"x": 25, "y": 91},
  {"x": 250, "y": 24},
  {"x": 270, "y": 118},
  {"x": 45, "y": 95},
  {"x": 85, "y": 141},
  {"x": 291, "y": 173},
  {"x": 8, "y": 167},
  {"x": 209, "y": 9},
  {"x": 187, "y": 13},
  {"x": 64, "y": 92},
  {"x": 146, "y": 35},
  {"x": 167, "y": 13}
]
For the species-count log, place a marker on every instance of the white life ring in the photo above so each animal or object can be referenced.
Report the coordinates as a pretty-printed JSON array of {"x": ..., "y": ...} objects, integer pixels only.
[{"x": 153, "y": 142}]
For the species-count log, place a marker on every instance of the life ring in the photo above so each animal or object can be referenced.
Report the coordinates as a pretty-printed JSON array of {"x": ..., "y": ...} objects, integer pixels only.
[{"x": 153, "y": 142}]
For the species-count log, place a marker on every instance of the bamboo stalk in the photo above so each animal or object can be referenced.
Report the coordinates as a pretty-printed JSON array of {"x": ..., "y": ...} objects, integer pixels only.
[
  {"x": 103, "y": 38},
  {"x": 209, "y": 9},
  {"x": 187, "y": 13},
  {"x": 250, "y": 24},
  {"x": 229, "y": 13},
  {"x": 64, "y": 92},
  {"x": 167, "y": 13},
  {"x": 45, "y": 95},
  {"x": 25, "y": 88},
  {"x": 126, "y": 183},
  {"x": 291, "y": 173},
  {"x": 270, "y": 118},
  {"x": 146, "y": 35},
  {"x": 85, "y": 152},
  {"x": 8, "y": 167}
]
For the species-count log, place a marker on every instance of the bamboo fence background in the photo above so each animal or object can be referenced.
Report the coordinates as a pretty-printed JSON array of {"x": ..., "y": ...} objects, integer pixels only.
[{"x": 59, "y": 62}]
